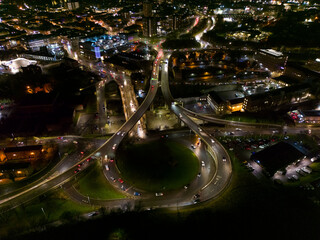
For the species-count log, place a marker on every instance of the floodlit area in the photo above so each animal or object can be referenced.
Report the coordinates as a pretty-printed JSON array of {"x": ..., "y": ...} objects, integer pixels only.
[{"x": 15, "y": 64}]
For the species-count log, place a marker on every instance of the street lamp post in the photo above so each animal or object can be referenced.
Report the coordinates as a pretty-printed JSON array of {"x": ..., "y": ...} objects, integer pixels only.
[{"x": 44, "y": 213}]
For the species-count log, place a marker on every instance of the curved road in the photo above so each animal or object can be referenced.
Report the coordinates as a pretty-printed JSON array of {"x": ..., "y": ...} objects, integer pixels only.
[
  {"x": 211, "y": 185},
  {"x": 108, "y": 148},
  {"x": 222, "y": 176}
]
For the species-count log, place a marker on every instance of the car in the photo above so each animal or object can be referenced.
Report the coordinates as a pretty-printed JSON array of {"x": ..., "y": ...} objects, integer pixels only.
[
  {"x": 118, "y": 133},
  {"x": 113, "y": 179},
  {"x": 203, "y": 164},
  {"x": 250, "y": 169},
  {"x": 114, "y": 146},
  {"x": 120, "y": 180},
  {"x": 224, "y": 159},
  {"x": 212, "y": 141},
  {"x": 107, "y": 167},
  {"x": 199, "y": 174},
  {"x": 159, "y": 194},
  {"x": 123, "y": 133},
  {"x": 307, "y": 170},
  {"x": 196, "y": 200},
  {"x": 186, "y": 186},
  {"x": 294, "y": 177},
  {"x": 193, "y": 146},
  {"x": 200, "y": 130},
  {"x": 137, "y": 194},
  {"x": 92, "y": 214},
  {"x": 77, "y": 170}
]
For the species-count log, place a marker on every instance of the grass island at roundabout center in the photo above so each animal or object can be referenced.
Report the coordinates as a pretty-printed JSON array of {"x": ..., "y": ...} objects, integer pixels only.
[{"x": 157, "y": 165}]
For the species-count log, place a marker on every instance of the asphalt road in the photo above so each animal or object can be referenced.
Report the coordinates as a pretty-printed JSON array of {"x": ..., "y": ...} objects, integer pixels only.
[
  {"x": 223, "y": 173},
  {"x": 108, "y": 148}
]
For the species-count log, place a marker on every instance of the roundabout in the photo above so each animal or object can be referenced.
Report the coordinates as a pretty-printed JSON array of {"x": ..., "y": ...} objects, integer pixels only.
[
  {"x": 212, "y": 176},
  {"x": 158, "y": 165}
]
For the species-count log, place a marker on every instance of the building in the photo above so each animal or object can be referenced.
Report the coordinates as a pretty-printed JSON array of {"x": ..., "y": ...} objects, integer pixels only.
[
  {"x": 89, "y": 50},
  {"x": 301, "y": 73},
  {"x": 15, "y": 171},
  {"x": 272, "y": 60},
  {"x": 69, "y": 4},
  {"x": 35, "y": 44},
  {"x": 24, "y": 153},
  {"x": 147, "y": 9},
  {"x": 15, "y": 65},
  {"x": 149, "y": 26},
  {"x": 277, "y": 157},
  {"x": 175, "y": 22},
  {"x": 276, "y": 98},
  {"x": 225, "y": 102}
]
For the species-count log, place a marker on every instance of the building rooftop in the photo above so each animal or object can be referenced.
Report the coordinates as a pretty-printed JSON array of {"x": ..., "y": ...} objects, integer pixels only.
[
  {"x": 222, "y": 96},
  {"x": 22, "y": 148},
  {"x": 277, "y": 156},
  {"x": 10, "y": 166},
  {"x": 310, "y": 113},
  {"x": 272, "y": 52}
]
